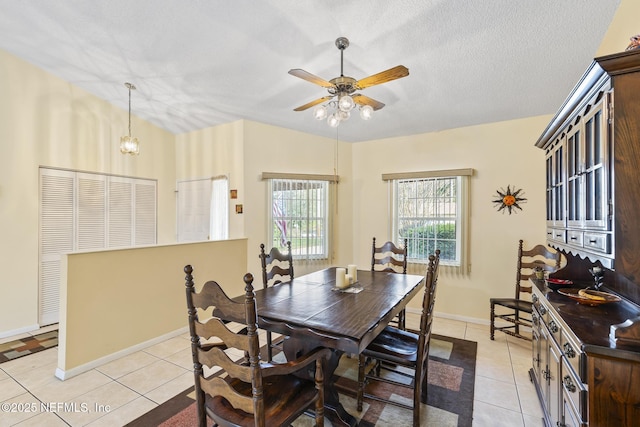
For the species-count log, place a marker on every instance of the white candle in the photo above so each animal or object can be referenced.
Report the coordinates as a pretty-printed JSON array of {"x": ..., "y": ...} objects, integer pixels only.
[
  {"x": 349, "y": 279},
  {"x": 352, "y": 270},
  {"x": 341, "y": 281}
]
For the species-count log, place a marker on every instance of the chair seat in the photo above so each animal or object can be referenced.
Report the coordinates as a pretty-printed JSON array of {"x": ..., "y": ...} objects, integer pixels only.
[
  {"x": 513, "y": 303},
  {"x": 296, "y": 392},
  {"x": 394, "y": 345}
]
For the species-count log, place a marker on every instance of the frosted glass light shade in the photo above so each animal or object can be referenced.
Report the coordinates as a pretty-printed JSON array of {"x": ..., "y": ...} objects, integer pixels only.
[
  {"x": 333, "y": 120},
  {"x": 346, "y": 103},
  {"x": 366, "y": 112},
  {"x": 129, "y": 145},
  {"x": 343, "y": 115},
  {"x": 320, "y": 112}
]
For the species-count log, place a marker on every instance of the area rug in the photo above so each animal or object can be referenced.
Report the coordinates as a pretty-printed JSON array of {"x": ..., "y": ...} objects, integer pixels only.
[
  {"x": 23, "y": 347},
  {"x": 451, "y": 378}
]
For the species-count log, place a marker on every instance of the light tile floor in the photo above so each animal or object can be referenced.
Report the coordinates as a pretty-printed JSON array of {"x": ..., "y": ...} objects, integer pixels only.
[{"x": 122, "y": 390}]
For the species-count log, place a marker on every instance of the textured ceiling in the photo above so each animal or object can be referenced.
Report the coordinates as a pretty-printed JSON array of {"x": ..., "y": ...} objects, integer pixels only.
[{"x": 199, "y": 63}]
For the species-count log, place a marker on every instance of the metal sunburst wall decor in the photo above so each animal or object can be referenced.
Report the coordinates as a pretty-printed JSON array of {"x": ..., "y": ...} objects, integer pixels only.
[{"x": 510, "y": 200}]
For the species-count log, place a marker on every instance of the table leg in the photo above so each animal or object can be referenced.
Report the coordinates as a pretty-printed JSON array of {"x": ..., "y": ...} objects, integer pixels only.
[{"x": 333, "y": 409}]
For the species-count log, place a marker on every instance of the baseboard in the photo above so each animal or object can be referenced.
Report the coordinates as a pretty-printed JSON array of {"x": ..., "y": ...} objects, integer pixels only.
[
  {"x": 23, "y": 330},
  {"x": 474, "y": 320},
  {"x": 69, "y": 373}
]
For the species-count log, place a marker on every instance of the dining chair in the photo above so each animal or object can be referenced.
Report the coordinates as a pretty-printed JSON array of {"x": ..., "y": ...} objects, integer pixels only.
[
  {"x": 395, "y": 348},
  {"x": 276, "y": 268},
  {"x": 517, "y": 311},
  {"x": 252, "y": 392},
  {"x": 392, "y": 259}
]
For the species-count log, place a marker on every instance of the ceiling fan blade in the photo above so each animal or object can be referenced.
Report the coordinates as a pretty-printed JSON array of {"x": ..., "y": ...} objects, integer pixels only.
[
  {"x": 312, "y": 103},
  {"x": 394, "y": 73},
  {"x": 365, "y": 100},
  {"x": 305, "y": 75}
]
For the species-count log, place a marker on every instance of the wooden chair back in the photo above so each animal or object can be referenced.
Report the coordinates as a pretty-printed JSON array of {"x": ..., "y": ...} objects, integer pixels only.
[
  {"x": 276, "y": 266},
  {"x": 251, "y": 393},
  {"x": 426, "y": 320},
  {"x": 212, "y": 354},
  {"x": 528, "y": 260},
  {"x": 389, "y": 257}
]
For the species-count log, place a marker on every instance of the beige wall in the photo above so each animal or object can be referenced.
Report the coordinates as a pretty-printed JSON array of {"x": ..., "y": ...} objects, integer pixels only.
[
  {"x": 117, "y": 300},
  {"x": 211, "y": 152},
  {"x": 501, "y": 154},
  {"x": 274, "y": 149},
  {"x": 45, "y": 121},
  {"x": 624, "y": 25}
]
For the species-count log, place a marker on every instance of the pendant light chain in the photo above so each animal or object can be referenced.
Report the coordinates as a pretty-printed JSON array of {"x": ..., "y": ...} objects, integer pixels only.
[{"x": 129, "y": 86}]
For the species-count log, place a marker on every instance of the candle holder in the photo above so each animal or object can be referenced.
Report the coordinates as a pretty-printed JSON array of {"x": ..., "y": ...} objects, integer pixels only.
[{"x": 598, "y": 277}]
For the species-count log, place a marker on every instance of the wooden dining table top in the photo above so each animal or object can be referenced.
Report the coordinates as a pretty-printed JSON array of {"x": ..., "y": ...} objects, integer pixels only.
[{"x": 309, "y": 307}]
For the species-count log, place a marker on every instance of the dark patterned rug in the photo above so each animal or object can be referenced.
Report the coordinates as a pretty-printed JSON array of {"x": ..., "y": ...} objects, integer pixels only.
[
  {"x": 451, "y": 378},
  {"x": 23, "y": 347}
]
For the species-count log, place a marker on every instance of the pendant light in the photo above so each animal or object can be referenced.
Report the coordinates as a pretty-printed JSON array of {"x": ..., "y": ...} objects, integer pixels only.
[{"x": 129, "y": 144}]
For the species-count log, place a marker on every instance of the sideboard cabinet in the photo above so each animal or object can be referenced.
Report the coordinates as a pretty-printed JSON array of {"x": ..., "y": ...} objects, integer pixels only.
[{"x": 585, "y": 374}]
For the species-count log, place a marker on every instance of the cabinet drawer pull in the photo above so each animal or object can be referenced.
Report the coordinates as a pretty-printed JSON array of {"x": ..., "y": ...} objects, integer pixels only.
[
  {"x": 568, "y": 350},
  {"x": 573, "y": 238},
  {"x": 543, "y": 310},
  {"x": 534, "y": 299},
  {"x": 568, "y": 384},
  {"x": 593, "y": 241},
  {"x": 553, "y": 327}
]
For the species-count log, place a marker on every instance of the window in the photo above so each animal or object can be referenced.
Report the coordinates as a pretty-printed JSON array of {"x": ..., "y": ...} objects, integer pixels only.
[
  {"x": 430, "y": 210},
  {"x": 203, "y": 209},
  {"x": 299, "y": 212}
]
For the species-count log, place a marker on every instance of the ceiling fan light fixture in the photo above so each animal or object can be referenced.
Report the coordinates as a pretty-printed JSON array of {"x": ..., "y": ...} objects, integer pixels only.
[
  {"x": 346, "y": 103},
  {"x": 320, "y": 112},
  {"x": 366, "y": 112},
  {"x": 342, "y": 98}
]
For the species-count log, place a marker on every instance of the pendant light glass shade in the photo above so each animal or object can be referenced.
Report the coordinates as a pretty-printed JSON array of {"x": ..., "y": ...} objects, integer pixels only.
[{"x": 129, "y": 144}]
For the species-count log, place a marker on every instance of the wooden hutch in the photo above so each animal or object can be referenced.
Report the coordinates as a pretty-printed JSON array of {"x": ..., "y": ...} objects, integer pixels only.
[{"x": 585, "y": 368}]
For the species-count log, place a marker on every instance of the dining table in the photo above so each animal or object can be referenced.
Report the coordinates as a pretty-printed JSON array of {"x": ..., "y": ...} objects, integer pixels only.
[{"x": 311, "y": 312}]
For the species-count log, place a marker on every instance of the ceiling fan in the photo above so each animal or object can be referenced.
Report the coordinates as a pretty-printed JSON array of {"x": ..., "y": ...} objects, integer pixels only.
[{"x": 343, "y": 87}]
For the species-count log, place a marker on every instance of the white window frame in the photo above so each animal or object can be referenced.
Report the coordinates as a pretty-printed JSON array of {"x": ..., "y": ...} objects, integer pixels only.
[
  {"x": 433, "y": 210},
  {"x": 303, "y": 241}
]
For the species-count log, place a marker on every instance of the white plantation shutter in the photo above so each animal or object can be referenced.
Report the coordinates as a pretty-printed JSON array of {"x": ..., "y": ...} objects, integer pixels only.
[
  {"x": 56, "y": 237},
  {"x": 194, "y": 209},
  {"x": 120, "y": 212},
  {"x": 146, "y": 217},
  {"x": 91, "y": 210},
  {"x": 84, "y": 211}
]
